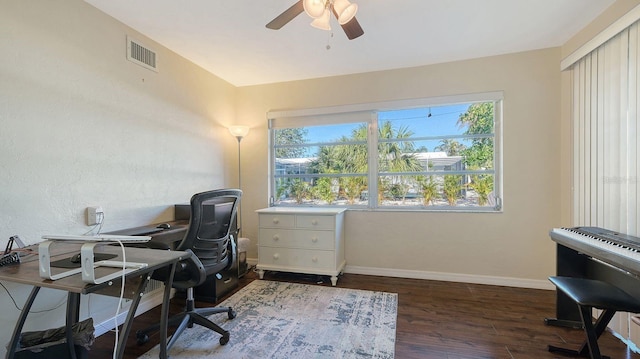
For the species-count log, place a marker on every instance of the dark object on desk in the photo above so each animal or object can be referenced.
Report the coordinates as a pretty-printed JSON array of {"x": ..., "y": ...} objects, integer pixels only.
[
  {"x": 51, "y": 343},
  {"x": 74, "y": 260},
  {"x": 77, "y": 258},
  {"x": 589, "y": 294},
  {"x": 164, "y": 226},
  {"x": 10, "y": 257},
  {"x": 209, "y": 237}
]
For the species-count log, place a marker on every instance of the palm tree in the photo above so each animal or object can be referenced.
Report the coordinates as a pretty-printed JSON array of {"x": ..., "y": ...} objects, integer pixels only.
[
  {"x": 396, "y": 156},
  {"x": 428, "y": 188},
  {"x": 451, "y": 147},
  {"x": 452, "y": 187}
]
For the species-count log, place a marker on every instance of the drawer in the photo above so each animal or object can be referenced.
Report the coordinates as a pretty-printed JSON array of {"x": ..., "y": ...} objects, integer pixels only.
[
  {"x": 275, "y": 237},
  {"x": 315, "y": 222},
  {"x": 277, "y": 220},
  {"x": 299, "y": 258}
]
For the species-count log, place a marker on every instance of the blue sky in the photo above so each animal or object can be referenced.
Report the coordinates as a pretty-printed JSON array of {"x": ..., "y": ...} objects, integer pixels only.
[{"x": 443, "y": 121}]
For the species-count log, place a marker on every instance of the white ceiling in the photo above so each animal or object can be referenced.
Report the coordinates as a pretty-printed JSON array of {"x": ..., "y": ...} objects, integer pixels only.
[{"x": 229, "y": 37}]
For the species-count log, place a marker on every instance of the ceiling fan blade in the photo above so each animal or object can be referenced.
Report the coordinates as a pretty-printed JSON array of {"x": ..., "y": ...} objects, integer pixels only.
[
  {"x": 353, "y": 29},
  {"x": 286, "y": 16}
]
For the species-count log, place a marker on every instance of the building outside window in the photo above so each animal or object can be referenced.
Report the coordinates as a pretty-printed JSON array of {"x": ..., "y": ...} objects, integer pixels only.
[{"x": 437, "y": 157}]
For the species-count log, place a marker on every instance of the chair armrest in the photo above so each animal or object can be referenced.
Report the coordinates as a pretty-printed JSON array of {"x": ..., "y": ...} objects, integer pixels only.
[
  {"x": 189, "y": 273},
  {"x": 232, "y": 248}
]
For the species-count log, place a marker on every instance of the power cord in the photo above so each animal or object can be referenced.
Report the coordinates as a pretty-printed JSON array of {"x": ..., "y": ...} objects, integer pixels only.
[
  {"x": 15, "y": 304},
  {"x": 97, "y": 225},
  {"x": 122, "y": 282}
]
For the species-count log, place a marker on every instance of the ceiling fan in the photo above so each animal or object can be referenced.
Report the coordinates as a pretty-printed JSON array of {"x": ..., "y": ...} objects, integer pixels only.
[{"x": 320, "y": 11}]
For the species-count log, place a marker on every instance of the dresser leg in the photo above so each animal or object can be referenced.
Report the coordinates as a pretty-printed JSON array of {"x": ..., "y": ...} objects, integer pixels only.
[
  {"x": 334, "y": 280},
  {"x": 261, "y": 273}
]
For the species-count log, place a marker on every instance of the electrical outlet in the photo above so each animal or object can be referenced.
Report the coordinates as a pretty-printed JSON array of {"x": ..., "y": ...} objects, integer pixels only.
[{"x": 94, "y": 215}]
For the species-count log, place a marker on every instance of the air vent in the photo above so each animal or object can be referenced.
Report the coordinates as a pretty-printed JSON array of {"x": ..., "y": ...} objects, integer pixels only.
[{"x": 141, "y": 55}]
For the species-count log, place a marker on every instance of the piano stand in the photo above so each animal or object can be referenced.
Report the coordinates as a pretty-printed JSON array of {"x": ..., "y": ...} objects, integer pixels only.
[{"x": 589, "y": 294}]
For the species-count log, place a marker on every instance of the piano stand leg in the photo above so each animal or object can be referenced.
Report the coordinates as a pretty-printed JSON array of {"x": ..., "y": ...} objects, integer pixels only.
[
  {"x": 571, "y": 352},
  {"x": 563, "y": 323},
  {"x": 589, "y": 348}
]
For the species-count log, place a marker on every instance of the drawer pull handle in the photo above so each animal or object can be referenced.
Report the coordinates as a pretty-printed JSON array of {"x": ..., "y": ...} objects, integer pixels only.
[
  {"x": 276, "y": 221},
  {"x": 314, "y": 221},
  {"x": 276, "y": 237},
  {"x": 314, "y": 239},
  {"x": 314, "y": 259},
  {"x": 276, "y": 256}
]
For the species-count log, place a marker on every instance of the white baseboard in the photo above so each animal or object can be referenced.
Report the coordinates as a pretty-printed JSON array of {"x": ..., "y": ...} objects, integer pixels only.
[
  {"x": 442, "y": 276},
  {"x": 148, "y": 301},
  {"x": 452, "y": 277}
]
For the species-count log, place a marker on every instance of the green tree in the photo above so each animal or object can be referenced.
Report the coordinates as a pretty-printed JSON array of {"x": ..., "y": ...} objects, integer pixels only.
[
  {"x": 290, "y": 136},
  {"x": 482, "y": 185},
  {"x": 428, "y": 188},
  {"x": 348, "y": 159},
  {"x": 396, "y": 156},
  {"x": 323, "y": 190},
  {"x": 299, "y": 190},
  {"x": 479, "y": 121},
  {"x": 451, "y": 188},
  {"x": 352, "y": 187},
  {"x": 451, "y": 147}
]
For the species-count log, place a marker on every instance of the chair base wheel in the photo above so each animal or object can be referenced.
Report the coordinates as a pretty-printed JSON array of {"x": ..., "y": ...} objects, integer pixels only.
[
  {"x": 141, "y": 338},
  {"x": 224, "y": 339},
  {"x": 231, "y": 313}
]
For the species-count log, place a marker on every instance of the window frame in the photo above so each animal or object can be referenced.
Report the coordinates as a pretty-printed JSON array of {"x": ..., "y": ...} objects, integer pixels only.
[{"x": 367, "y": 113}]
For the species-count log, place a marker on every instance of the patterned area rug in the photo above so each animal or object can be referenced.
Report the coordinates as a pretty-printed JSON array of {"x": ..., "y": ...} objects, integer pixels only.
[{"x": 290, "y": 320}]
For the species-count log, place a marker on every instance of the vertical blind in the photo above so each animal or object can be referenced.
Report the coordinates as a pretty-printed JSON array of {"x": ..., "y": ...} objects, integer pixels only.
[{"x": 605, "y": 99}]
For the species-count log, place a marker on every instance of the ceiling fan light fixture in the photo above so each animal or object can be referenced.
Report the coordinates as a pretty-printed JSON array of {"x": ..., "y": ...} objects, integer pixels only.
[
  {"x": 323, "y": 22},
  {"x": 314, "y": 8},
  {"x": 345, "y": 10}
]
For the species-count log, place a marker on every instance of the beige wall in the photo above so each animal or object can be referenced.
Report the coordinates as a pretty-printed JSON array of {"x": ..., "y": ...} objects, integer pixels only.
[
  {"x": 610, "y": 15},
  {"x": 82, "y": 126},
  {"x": 510, "y": 248}
]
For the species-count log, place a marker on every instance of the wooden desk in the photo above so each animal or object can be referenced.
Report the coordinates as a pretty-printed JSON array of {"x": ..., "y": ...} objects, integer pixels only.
[{"x": 27, "y": 273}]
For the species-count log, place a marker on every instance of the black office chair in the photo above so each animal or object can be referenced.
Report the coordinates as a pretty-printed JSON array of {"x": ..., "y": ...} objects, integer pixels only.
[{"x": 210, "y": 237}]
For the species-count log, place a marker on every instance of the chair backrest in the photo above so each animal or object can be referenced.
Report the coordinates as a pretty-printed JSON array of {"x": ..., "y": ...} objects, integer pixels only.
[{"x": 212, "y": 228}]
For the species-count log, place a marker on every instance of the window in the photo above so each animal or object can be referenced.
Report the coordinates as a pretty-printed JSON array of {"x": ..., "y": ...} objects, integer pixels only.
[{"x": 441, "y": 156}]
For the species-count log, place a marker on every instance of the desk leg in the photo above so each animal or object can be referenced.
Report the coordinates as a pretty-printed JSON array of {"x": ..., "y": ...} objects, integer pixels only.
[
  {"x": 15, "y": 338},
  {"x": 164, "y": 319},
  {"x": 126, "y": 327},
  {"x": 73, "y": 315}
]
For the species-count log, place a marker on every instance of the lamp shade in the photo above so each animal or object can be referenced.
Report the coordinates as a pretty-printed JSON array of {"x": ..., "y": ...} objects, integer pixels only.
[
  {"x": 323, "y": 22},
  {"x": 239, "y": 131},
  {"x": 345, "y": 10},
  {"x": 313, "y": 8}
]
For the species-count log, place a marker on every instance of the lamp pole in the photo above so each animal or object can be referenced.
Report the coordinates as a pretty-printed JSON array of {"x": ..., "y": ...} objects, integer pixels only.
[
  {"x": 239, "y": 172},
  {"x": 239, "y": 132}
]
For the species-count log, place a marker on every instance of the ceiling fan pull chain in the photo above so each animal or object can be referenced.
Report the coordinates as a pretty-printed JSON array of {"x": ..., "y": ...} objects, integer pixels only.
[{"x": 328, "y": 47}]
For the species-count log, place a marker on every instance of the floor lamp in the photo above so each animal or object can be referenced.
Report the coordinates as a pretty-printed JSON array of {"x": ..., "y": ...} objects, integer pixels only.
[{"x": 239, "y": 132}]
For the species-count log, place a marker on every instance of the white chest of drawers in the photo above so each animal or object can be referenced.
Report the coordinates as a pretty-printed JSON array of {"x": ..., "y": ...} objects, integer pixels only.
[{"x": 301, "y": 240}]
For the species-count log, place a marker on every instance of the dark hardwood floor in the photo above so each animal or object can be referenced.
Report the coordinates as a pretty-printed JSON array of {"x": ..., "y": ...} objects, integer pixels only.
[{"x": 439, "y": 320}]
